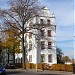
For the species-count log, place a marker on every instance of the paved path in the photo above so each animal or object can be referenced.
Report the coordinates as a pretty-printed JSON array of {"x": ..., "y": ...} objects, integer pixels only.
[{"x": 33, "y": 72}]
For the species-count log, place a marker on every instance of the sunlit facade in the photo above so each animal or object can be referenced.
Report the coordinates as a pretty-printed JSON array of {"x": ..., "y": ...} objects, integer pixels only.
[{"x": 41, "y": 42}]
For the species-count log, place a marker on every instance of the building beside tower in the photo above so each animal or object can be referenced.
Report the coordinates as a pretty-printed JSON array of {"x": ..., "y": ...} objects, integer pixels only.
[{"x": 41, "y": 40}]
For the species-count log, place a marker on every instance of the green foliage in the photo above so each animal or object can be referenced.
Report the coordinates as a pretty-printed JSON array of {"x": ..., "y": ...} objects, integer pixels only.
[
  {"x": 66, "y": 59},
  {"x": 59, "y": 55},
  {"x": 12, "y": 42},
  {"x": 62, "y": 67}
]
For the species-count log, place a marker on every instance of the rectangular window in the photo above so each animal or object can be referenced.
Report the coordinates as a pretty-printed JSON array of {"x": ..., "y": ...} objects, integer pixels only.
[
  {"x": 42, "y": 45},
  {"x": 30, "y": 58},
  {"x": 15, "y": 60},
  {"x": 18, "y": 60},
  {"x": 30, "y": 46},
  {"x": 21, "y": 60},
  {"x": 42, "y": 32},
  {"x": 49, "y": 45},
  {"x": 49, "y": 33},
  {"x": 48, "y": 21},
  {"x": 50, "y": 58},
  {"x": 30, "y": 35},
  {"x": 41, "y": 21},
  {"x": 42, "y": 57}
]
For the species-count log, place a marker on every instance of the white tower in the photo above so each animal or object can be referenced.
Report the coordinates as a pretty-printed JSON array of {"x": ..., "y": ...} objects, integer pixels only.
[{"x": 42, "y": 43}]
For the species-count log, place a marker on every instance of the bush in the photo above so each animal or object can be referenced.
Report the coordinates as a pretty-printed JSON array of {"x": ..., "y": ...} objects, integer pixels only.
[
  {"x": 44, "y": 66},
  {"x": 56, "y": 67},
  {"x": 33, "y": 66},
  {"x": 18, "y": 65},
  {"x": 69, "y": 68},
  {"x": 62, "y": 67},
  {"x": 27, "y": 66}
]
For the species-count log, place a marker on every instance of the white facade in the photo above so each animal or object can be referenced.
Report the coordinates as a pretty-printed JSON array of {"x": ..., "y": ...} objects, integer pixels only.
[{"x": 42, "y": 47}]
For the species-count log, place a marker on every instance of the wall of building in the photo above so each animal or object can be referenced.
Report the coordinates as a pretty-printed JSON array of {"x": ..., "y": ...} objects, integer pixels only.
[{"x": 36, "y": 50}]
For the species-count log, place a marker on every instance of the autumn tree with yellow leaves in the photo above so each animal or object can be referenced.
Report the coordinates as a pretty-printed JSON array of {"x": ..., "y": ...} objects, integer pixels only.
[{"x": 12, "y": 42}]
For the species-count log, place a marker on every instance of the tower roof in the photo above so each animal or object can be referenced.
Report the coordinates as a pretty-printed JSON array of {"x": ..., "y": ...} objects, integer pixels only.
[{"x": 45, "y": 8}]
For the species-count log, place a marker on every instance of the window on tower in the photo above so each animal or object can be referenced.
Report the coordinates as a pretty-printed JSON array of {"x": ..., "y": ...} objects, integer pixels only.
[
  {"x": 49, "y": 33},
  {"x": 48, "y": 21},
  {"x": 50, "y": 58},
  {"x": 30, "y": 45},
  {"x": 30, "y": 35},
  {"x": 49, "y": 45},
  {"x": 42, "y": 57},
  {"x": 42, "y": 33},
  {"x": 42, "y": 45},
  {"x": 30, "y": 58},
  {"x": 41, "y": 21}
]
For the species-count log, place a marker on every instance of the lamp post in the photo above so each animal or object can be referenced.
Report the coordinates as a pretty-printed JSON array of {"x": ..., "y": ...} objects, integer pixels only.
[{"x": 38, "y": 43}]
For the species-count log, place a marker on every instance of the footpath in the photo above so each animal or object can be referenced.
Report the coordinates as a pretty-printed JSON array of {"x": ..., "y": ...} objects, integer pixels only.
[{"x": 43, "y": 72}]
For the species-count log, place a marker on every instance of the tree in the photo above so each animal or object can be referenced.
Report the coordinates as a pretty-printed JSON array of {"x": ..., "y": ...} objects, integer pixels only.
[
  {"x": 1, "y": 50},
  {"x": 20, "y": 13},
  {"x": 73, "y": 61},
  {"x": 12, "y": 43},
  {"x": 59, "y": 55},
  {"x": 66, "y": 59}
]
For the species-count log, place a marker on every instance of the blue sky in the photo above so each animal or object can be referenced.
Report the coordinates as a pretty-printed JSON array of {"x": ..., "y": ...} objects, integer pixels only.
[{"x": 64, "y": 12}]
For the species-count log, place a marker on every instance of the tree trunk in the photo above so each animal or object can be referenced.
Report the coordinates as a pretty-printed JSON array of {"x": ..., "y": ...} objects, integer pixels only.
[
  {"x": 0, "y": 58},
  {"x": 13, "y": 58},
  {"x": 23, "y": 52},
  {"x": 8, "y": 57}
]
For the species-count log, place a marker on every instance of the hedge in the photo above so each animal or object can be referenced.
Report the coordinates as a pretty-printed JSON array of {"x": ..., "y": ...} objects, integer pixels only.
[
  {"x": 18, "y": 65},
  {"x": 43, "y": 66},
  {"x": 62, "y": 67},
  {"x": 33, "y": 66}
]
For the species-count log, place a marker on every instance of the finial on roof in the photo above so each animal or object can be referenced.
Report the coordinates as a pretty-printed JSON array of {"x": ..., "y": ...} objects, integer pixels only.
[
  {"x": 53, "y": 14},
  {"x": 45, "y": 8}
]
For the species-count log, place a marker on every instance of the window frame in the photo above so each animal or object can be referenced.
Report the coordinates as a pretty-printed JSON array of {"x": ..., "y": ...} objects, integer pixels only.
[
  {"x": 41, "y": 21},
  {"x": 42, "y": 33},
  {"x": 42, "y": 44},
  {"x": 49, "y": 33},
  {"x": 30, "y": 35},
  {"x": 49, "y": 57},
  {"x": 30, "y": 58},
  {"x": 30, "y": 46},
  {"x": 49, "y": 45},
  {"x": 42, "y": 57},
  {"x": 48, "y": 21}
]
